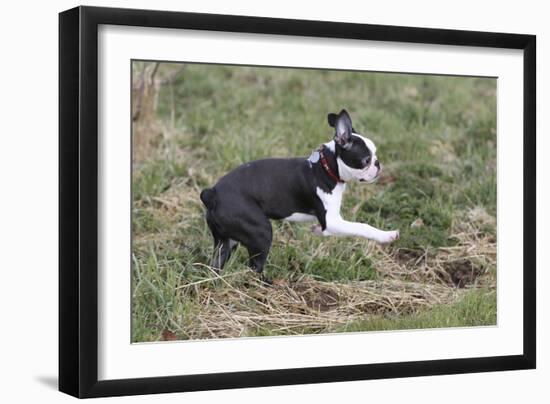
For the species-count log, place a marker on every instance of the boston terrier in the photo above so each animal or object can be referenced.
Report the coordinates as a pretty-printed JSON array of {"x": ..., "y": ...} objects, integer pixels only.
[{"x": 239, "y": 207}]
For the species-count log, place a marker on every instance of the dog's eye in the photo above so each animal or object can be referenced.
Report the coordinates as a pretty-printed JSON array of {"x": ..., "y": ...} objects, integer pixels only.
[{"x": 366, "y": 161}]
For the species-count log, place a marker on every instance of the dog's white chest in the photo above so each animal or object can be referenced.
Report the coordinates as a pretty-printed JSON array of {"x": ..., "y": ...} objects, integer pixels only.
[{"x": 332, "y": 201}]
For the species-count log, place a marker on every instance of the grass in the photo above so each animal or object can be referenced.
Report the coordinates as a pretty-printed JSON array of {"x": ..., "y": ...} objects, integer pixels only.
[
  {"x": 436, "y": 140},
  {"x": 477, "y": 308}
]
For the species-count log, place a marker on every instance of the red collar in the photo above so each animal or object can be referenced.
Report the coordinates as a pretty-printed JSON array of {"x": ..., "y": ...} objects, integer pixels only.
[{"x": 327, "y": 168}]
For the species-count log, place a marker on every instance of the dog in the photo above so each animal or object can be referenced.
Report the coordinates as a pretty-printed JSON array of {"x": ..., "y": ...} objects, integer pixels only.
[{"x": 242, "y": 203}]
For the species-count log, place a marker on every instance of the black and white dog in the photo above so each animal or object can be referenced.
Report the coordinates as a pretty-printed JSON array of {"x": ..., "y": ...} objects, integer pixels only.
[{"x": 239, "y": 207}]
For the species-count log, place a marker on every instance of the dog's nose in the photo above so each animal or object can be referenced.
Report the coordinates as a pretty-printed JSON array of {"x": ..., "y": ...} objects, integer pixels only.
[{"x": 377, "y": 164}]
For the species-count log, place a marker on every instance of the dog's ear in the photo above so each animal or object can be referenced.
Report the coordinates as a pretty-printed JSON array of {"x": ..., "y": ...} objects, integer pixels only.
[
  {"x": 332, "y": 119},
  {"x": 343, "y": 127}
]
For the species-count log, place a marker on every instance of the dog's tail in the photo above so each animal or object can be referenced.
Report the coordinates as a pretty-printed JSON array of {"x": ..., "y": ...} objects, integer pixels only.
[{"x": 208, "y": 197}]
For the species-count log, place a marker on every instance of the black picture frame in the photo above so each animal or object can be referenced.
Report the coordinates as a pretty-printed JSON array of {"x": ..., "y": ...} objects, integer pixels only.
[{"x": 78, "y": 201}]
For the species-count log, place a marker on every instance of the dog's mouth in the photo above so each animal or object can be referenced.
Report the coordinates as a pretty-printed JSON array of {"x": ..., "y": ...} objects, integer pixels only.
[{"x": 372, "y": 179}]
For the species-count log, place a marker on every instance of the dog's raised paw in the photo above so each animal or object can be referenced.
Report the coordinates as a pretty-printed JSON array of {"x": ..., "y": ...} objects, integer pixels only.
[{"x": 389, "y": 237}]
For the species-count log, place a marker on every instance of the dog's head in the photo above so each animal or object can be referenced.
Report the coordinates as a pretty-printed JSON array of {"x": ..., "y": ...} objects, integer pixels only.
[{"x": 355, "y": 154}]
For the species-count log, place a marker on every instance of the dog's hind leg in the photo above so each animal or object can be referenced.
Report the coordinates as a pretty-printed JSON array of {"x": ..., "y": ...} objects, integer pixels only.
[
  {"x": 223, "y": 246},
  {"x": 253, "y": 231},
  {"x": 222, "y": 251},
  {"x": 258, "y": 245},
  {"x": 246, "y": 224}
]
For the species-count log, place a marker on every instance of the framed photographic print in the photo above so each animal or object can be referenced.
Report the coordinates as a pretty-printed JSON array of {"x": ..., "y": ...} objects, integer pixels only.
[{"x": 251, "y": 201}]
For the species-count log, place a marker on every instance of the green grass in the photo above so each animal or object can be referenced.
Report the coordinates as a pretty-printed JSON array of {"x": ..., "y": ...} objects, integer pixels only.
[
  {"x": 436, "y": 139},
  {"x": 477, "y": 308}
]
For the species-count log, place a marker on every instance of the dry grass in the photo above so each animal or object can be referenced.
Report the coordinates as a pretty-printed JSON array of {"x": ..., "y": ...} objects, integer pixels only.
[
  {"x": 471, "y": 261},
  {"x": 233, "y": 305},
  {"x": 288, "y": 308}
]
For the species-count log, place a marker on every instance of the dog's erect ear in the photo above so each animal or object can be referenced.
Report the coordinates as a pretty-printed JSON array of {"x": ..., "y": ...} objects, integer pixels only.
[
  {"x": 343, "y": 127},
  {"x": 332, "y": 119}
]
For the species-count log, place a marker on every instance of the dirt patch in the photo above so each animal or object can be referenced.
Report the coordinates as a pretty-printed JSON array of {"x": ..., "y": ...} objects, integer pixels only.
[
  {"x": 462, "y": 273},
  {"x": 318, "y": 298},
  {"x": 406, "y": 256},
  {"x": 168, "y": 335}
]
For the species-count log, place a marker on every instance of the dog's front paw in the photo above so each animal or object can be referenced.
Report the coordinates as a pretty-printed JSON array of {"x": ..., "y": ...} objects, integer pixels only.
[
  {"x": 388, "y": 237},
  {"x": 317, "y": 229}
]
